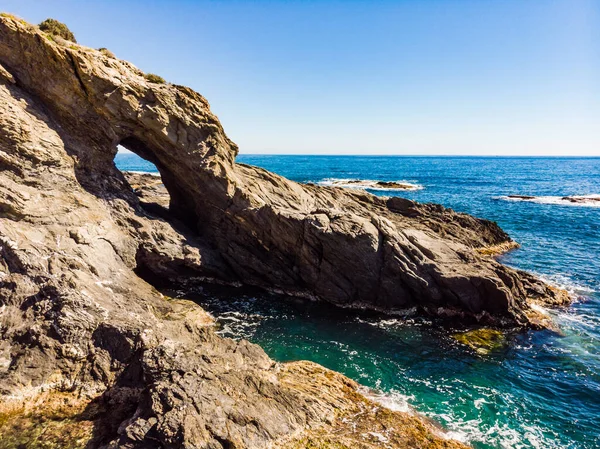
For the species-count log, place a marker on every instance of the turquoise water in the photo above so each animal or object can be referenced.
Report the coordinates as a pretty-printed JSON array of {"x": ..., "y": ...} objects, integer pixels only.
[{"x": 542, "y": 389}]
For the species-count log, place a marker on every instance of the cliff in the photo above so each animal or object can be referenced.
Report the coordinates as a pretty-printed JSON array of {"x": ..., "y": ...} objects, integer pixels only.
[{"x": 87, "y": 338}]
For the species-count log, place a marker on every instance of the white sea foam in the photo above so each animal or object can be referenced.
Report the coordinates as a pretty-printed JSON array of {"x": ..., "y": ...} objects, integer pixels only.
[
  {"x": 479, "y": 402},
  {"x": 393, "y": 400},
  {"x": 393, "y": 323},
  {"x": 236, "y": 325},
  {"x": 566, "y": 283},
  {"x": 498, "y": 435},
  {"x": 364, "y": 184},
  {"x": 455, "y": 426},
  {"x": 383, "y": 323},
  {"x": 575, "y": 200},
  {"x": 138, "y": 172},
  {"x": 539, "y": 309}
]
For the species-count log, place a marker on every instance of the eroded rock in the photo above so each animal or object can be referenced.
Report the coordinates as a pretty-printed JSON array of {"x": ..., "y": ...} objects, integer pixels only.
[
  {"x": 262, "y": 229},
  {"x": 80, "y": 248}
]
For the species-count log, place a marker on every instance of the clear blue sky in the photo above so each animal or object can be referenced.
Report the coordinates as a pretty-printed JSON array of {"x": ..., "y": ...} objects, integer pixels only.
[{"x": 389, "y": 77}]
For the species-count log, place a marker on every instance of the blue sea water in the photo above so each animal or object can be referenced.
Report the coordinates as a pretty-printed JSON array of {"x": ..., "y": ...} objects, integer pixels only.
[{"x": 542, "y": 389}]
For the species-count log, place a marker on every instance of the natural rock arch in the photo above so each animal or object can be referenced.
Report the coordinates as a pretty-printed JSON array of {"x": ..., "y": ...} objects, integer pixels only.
[
  {"x": 179, "y": 201},
  {"x": 80, "y": 322},
  {"x": 345, "y": 247}
]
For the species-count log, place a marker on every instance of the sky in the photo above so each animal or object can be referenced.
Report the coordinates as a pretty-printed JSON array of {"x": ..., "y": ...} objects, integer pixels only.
[{"x": 484, "y": 77}]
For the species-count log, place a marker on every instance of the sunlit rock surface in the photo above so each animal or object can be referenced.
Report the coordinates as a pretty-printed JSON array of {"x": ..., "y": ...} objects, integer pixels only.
[{"x": 85, "y": 334}]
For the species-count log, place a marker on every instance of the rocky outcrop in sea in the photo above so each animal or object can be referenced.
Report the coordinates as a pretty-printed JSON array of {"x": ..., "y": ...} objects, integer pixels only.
[{"x": 92, "y": 353}]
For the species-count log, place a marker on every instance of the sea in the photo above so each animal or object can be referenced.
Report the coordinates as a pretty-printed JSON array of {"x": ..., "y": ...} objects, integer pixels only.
[{"x": 540, "y": 389}]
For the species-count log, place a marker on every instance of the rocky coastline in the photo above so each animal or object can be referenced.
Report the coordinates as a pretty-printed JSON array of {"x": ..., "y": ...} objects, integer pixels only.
[
  {"x": 372, "y": 185},
  {"x": 573, "y": 200},
  {"x": 93, "y": 355}
]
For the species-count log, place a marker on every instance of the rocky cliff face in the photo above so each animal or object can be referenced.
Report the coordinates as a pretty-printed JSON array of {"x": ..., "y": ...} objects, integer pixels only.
[
  {"x": 261, "y": 229},
  {"x": 79, "y": 252}
]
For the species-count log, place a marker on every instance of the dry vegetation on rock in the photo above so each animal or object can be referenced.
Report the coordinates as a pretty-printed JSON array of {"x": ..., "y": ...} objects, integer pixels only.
[
  {"x": 107, "y": 52},
  {"x": 154, "y": 78}
]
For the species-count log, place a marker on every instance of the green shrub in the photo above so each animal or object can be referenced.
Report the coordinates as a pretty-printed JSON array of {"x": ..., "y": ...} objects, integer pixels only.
[
  {"x": 154, "y": 78},
  {"x": 107, "y": 52},
  {"x": 56, "y": 28}
]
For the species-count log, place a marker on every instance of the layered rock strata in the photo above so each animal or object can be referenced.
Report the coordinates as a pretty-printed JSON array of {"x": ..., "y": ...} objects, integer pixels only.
[
  {"x": 79, "y": 250},
  {"x": 349, "y": 248}
]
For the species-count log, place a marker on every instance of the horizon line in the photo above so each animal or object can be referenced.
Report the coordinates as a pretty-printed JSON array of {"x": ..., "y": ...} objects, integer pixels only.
[
  {"x": 243, "y": 153},
  {"x": 422, "y": 155}
]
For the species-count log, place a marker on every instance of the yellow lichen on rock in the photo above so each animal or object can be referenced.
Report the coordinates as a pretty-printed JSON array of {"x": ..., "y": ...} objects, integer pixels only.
[
  {"x": 359, "y": 422},
  {"x": 496, "y": 250},
  {"x": 52, "y": 420},
  {"x": 561, "y": 296}
]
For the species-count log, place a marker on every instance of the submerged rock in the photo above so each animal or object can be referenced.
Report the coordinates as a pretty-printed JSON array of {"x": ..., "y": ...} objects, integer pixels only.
[
  {"x": 483, "y": 340},
  {"x": 82, "y": 250}
]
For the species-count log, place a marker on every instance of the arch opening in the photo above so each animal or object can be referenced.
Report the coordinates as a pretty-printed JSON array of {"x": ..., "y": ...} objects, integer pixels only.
[
  {"x": 144, "y": 179},
  {"x": 155, "y": 185}
]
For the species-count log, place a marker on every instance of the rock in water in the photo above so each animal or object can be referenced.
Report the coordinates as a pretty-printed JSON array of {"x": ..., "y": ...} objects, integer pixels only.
[
  {"x": 78, "y": 245},
  {"x": 483, "y": 340}
]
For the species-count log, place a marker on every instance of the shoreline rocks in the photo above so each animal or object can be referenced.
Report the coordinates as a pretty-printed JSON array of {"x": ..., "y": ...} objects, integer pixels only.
[
  {"x": 574, "y": 200},
  {"x": 82, "y": 251},
  {"x": 373, "y": 185},
  {"x": 257, "y": 228}
]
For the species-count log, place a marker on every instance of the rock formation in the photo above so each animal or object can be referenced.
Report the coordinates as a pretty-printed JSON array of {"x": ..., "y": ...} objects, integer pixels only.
[
  {"x": 84, "y": 334},
  {"x": 579, "y": 200},
  {"x": 373, "y": 185}
]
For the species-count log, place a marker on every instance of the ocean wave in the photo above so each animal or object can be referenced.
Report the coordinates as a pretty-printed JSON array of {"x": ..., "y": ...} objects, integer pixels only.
[
  {"x": 564, "y": 282},
  {"x": 574, "y": 200},
  {"x": 369, "y": 184},
  {"x": 477, "y": 428}
]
